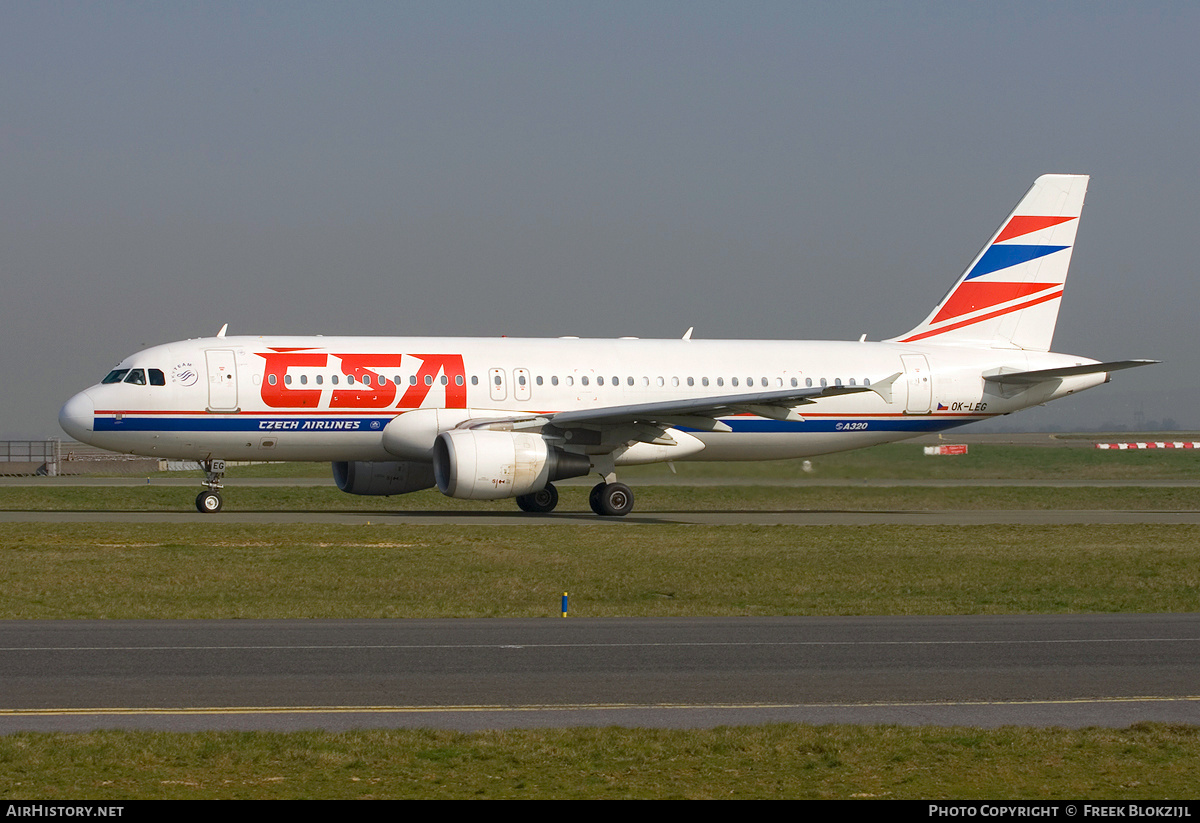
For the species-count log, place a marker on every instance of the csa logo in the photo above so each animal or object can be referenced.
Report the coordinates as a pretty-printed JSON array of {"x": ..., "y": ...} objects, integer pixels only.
[{"x": 185, "y": 374}]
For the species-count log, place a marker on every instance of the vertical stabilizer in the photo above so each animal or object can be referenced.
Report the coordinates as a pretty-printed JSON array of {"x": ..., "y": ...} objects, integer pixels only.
[{"x": 1008, "y": 297}]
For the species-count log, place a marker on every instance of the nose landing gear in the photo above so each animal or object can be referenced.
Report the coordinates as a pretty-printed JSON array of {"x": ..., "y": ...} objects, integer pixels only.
[{"x": 210, "y": 502}]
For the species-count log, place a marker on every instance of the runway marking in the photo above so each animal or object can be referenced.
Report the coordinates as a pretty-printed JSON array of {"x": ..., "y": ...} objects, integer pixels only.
[
  {"x": 522, "y": 646},
  {"x": 571, "y": 707}
]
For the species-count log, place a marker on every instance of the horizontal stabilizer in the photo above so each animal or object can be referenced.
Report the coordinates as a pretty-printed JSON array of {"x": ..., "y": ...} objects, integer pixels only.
[{"x": 1030, "y": 378}]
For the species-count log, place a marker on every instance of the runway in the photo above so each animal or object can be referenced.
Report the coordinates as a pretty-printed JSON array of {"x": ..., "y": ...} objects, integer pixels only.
[
  {"x": 949, "y": 517},
  {"x": 1071, "y": 670}
]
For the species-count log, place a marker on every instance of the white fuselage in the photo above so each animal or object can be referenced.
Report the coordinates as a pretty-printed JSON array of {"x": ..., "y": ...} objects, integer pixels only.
[{"x": 331, "y": 398}]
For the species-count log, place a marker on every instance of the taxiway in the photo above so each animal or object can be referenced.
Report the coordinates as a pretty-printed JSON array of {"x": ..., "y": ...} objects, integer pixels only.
[{"x": 1071, "y": 670}]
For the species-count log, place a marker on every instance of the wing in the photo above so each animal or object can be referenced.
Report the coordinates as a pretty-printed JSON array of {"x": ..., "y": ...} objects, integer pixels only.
[
  {"x": 702, "y": 412},
  {"x": 608, "y": 427}
]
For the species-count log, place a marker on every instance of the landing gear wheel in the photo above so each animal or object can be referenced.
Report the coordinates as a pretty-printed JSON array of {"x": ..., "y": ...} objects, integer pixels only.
[
  {"x": 611, "y": 499},
  {"x": 209, "y": 502},
  {"x": 542, "y": 501},
  {"x": 594, "y": 497}
]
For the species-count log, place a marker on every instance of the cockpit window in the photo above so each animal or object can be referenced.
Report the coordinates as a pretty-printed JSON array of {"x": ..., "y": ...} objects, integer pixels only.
[
  {"x": 115, "y": 376},
  {"x": 156, "y": 377},
  {"x": 136, "y": 376}
]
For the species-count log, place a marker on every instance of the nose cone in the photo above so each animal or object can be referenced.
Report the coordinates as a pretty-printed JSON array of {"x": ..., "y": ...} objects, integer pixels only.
[{"x": 76, "y": 417}]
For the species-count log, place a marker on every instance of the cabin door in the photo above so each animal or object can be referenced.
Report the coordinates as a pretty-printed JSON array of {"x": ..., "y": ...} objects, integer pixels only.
[
  {"x": 222, "y": 380},
  {"x": 920, "y": 383}
]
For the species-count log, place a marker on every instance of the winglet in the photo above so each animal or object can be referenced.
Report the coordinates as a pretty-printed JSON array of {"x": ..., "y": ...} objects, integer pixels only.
[
  {"x": 224, "y": 328},
  {"x": 687, "y": 335}
]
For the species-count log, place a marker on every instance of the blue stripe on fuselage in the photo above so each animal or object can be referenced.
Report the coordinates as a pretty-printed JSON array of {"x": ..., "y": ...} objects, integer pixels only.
[
  {"x": 324, "y": 425},
  {"x": 218, "y": 423},
  {"x": 907, "y": 424}
]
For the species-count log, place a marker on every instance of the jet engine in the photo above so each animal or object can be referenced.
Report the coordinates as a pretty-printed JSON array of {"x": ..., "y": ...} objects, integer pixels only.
[
  {"x": 364, "y": 477},
  {"x": 481, "y": 464}
]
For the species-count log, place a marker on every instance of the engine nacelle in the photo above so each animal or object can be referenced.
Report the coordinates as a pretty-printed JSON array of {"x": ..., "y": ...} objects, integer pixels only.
[
  {"x": 364, "y": 477},
  {"x": 479, "y": 464}
]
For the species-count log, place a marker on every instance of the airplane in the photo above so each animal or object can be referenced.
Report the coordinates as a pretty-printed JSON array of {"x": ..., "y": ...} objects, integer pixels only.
[{"x": 487, "y": 418}]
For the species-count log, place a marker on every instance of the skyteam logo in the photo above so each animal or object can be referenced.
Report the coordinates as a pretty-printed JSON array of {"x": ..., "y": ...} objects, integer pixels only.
[{"x": 185, "y": 374}]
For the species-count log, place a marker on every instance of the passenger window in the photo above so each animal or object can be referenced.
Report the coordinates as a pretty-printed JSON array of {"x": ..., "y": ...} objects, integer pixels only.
[
  {"x": 554, "y": 380},
  {"x": 704, "y": 381},
  {"x": 539, "y": 380},
  {"x": 157, "y": 378},
  {"x": 734, "y": 381},
  {"x": 720, "y": 381},
  {"x": 271, "y": 379},
  {"x": 583, "y": 380},
  {"x": 474, "y": 380},
  {"x": 600, "y": 380},
  {"x": 304, "y": 380},
  {"x": 458, "y": 379},
  {"x": 287, "y": 380},
  {"x": 136, "y": 376},
  {"x": 115, "y": 376},
  {"x": 429, "y": 380},
  {"x": 350, "y": 379},
  {"x": 445, "y": 380},
  {"x": 320, "y": 380},
  {"x": 333, "y": 379}
]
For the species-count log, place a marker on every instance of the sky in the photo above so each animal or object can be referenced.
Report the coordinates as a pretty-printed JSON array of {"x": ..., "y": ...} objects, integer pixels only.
[{"x": 784, "y": 170}]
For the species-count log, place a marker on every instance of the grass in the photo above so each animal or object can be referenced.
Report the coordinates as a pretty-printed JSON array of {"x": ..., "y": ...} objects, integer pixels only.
[
  {"x": 900, "y": 461},
  {"x": 1147, "y": 761},
  {"x": 291, "y": 571}
]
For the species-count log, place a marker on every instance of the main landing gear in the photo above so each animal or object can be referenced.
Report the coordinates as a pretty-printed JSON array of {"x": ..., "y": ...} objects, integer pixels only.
[
  {"x": 210, "y": 502},
  {"x": 539, "y": 502},
  {"x": 611, "y": 499},
  {"x": 606, "y": 499}
]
